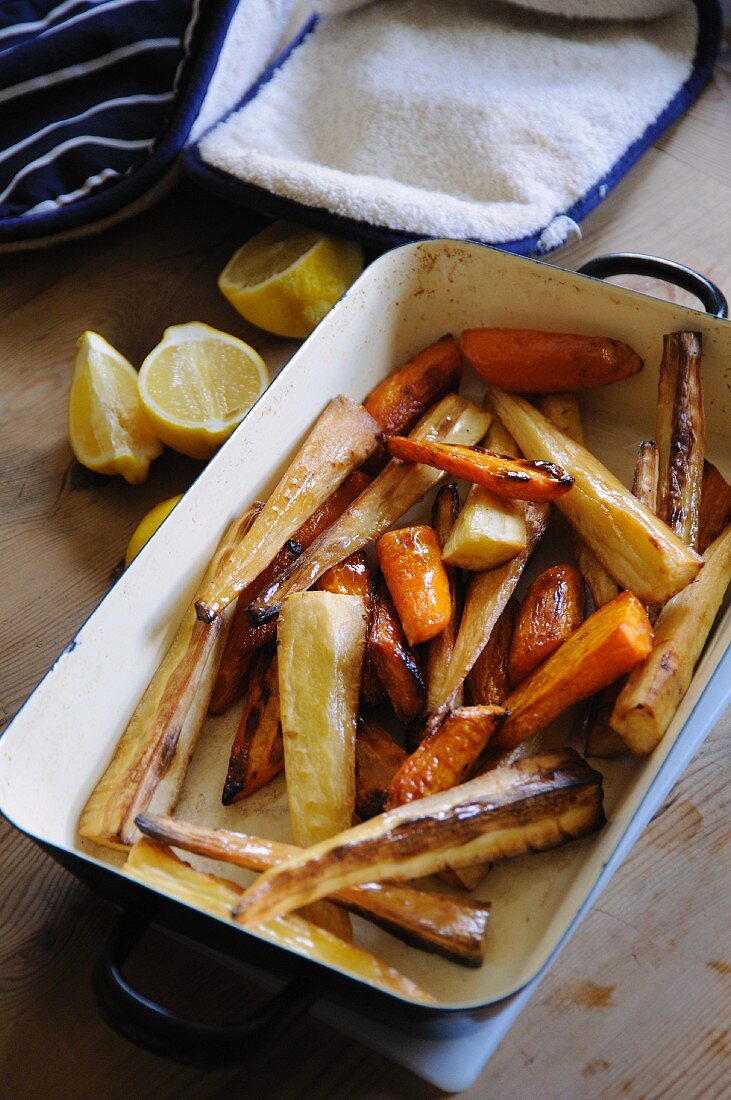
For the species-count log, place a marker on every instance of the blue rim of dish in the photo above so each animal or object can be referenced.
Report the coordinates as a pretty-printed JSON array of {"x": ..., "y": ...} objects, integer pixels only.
[{"x": 710, "y": 35}]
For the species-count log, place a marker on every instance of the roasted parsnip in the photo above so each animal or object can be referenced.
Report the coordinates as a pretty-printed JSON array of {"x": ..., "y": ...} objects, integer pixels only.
[
  {"x": 513, "y": 478},
  {"x": 399, "y": 402},
  {"x": 386, "y": 499},
  {"x": 530, "y": 361},
  {"x": 411, "y": 563},
  {"x": 397, "y": 665},
  {"x": 633, "y": 545},
  {"x": 715, "y": 506},
  {"x": 490, "y": 530},
  {"x": 680, "y": 431},
  {"x": 444, "y": 514},
  {"x": 609, "y": 643},
  {"x": 446, "y": 757},
  {"x": 343, "y": 436},
  {"x": 257, "y": 753},
  {"x": 152, "y": 757},
  {"x": 563, "y": 410},
  {"x": 377, "y": 759},
  {"x": 243, "y": 637},
  {"x": 155, "y": 865},
  {"x": 552, "y": 609},
  {"x": 449, "y": 926},
  {"x": 538, "y": 803},
  {"x": 488, "y": 683},
  {"x": 648, "y": 702}
]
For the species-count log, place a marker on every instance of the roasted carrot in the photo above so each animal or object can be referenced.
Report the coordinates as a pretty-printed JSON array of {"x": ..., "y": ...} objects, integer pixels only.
[
  {"x": 530, "y": 361},
  {"x": 397, "y": 403},
  {"x": 446, "y": 757},
  {"x": 396, "y": 663},
  {"x": 377, "y": 759},
  {"x": 514, "y": 478},
  {"x": 552, "y": 609},
  {"x": 609, "y": 643},
  {"x": 488, "y": 682},
  {"x": 244, "y": 637},
  {"x": 257, "y": 753},
  {"x": 715, "y": 507},
  {"x": 411, "y": 562},
  {"x": 352, "y": 577}
]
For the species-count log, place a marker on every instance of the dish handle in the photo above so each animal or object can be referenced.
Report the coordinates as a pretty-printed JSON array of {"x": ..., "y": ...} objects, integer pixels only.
[
  {"x": 634, "y": 263},
  {"x": 192, "y": 1042}
]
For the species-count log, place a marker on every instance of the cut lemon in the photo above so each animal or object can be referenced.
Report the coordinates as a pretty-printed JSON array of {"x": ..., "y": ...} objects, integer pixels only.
[
  {"x": 287, "y": 278},
  {"x": 197, "y": 385},
  {"x": 108, "y": 429},
  {"x": 147, "y": 526}
]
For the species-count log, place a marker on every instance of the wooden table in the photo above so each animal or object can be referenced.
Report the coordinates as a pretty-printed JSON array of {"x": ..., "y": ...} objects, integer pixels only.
[{"x": 638, "y": 1004}]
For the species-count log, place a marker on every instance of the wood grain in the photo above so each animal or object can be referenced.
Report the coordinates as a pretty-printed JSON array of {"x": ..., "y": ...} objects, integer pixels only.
[{"x": 638, "y": 1004}]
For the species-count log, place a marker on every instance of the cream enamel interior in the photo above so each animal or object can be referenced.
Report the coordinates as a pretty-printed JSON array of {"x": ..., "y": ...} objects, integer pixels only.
[{"x": 55, "y": 750}]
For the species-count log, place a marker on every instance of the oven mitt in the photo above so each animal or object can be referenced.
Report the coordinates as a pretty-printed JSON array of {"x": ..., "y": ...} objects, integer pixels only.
[
  {"x": 383, "y": 121},
  {"x": 471, "y": 119}
]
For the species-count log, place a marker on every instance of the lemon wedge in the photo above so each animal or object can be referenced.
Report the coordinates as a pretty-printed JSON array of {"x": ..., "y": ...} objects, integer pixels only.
[
  {"x": 107, "y": 427},
  {"x": 147, "y": 526},
  {"x": 287, "y": 278},
  {"x": 197, "y": 385}
]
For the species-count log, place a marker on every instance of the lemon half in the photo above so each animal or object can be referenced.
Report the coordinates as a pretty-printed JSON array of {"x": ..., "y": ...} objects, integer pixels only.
[
  {"x": 287, "y": 278},
  {"x": 197, "y": 385},
  {"x": 108, "y": 429}
]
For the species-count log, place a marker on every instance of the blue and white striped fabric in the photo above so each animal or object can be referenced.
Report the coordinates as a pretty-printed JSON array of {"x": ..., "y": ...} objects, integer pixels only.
[{"x": 90, "y": 94}]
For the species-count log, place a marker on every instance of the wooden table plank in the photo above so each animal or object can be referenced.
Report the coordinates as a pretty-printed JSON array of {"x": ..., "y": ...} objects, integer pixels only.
[{"x": 637, "y": 1005}]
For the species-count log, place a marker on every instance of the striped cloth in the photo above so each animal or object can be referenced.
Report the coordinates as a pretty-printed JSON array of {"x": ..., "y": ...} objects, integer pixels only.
[{"x": 87, "y": 90}]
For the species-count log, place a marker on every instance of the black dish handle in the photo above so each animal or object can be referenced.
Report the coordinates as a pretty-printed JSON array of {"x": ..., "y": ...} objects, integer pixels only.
[
  {"x": 191, "y": 1042},
  {"x": 634, "y": 263}
]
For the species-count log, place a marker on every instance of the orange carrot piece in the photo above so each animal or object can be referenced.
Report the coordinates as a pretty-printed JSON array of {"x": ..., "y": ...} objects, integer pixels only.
[
  {"x": 411, "y": 561},
  {"x": 350, "y": 577},
  {"x": 552, "y": 609},
  {"x": 257, "y": 753},
  {"x": 715, "y": 507},
  {"x": 515, "y": 478},
  {"x": 377, "y": 759},
  {"x": 530, "y": 361},
  {"x": 609, "y": 643},
  {"x": 446, "y": 757},
  {"x": 488, "y": 682},
  {"x": 400, "y": 401},
  {"x": 396, "y": 663},
  {"x": 244, "y": 638}
]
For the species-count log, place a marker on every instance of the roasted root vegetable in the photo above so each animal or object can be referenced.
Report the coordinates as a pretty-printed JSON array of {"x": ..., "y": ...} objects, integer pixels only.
[
  {"x": 411, "y": 563},
  {"x": 608, "y": 644},
  {"x": 531, "y": 361},
  {"x": 489, "y": 531},
  {"x": 152, "y": 757},
  {"x": 680, "y": 432},
  {"x": 449, "y": 926},
  {"x": 343, "y": 436},
  {"x": 257, "y": 753},
  {"x": 446, "y": 757},
  {"x": 399, "y": 402},
  {"x": 552, "y": 609},
  {"x": 715, "y": 506},
  {"x": 639, "y": 551},
  {"x": 648, "y": 702},
  {"x": 486, "y": 597},
  {"x": 513, "y": 478},
  {"x": 646, "y": 477},
  {"x": 563, "y": 410},
  {"x": 488, "y": 683},
  {"x": 397, "y": 665},
  {"x": 391, "y": 494},
  {"x": 352, "y": 577},
  {"x": 377, "y": 759},
  {"x": 244, "y": 638},
  {"x": 155, "y": 865},
  {"x": 444, "y": 515},
  {"x": 538, "y": 803}
]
